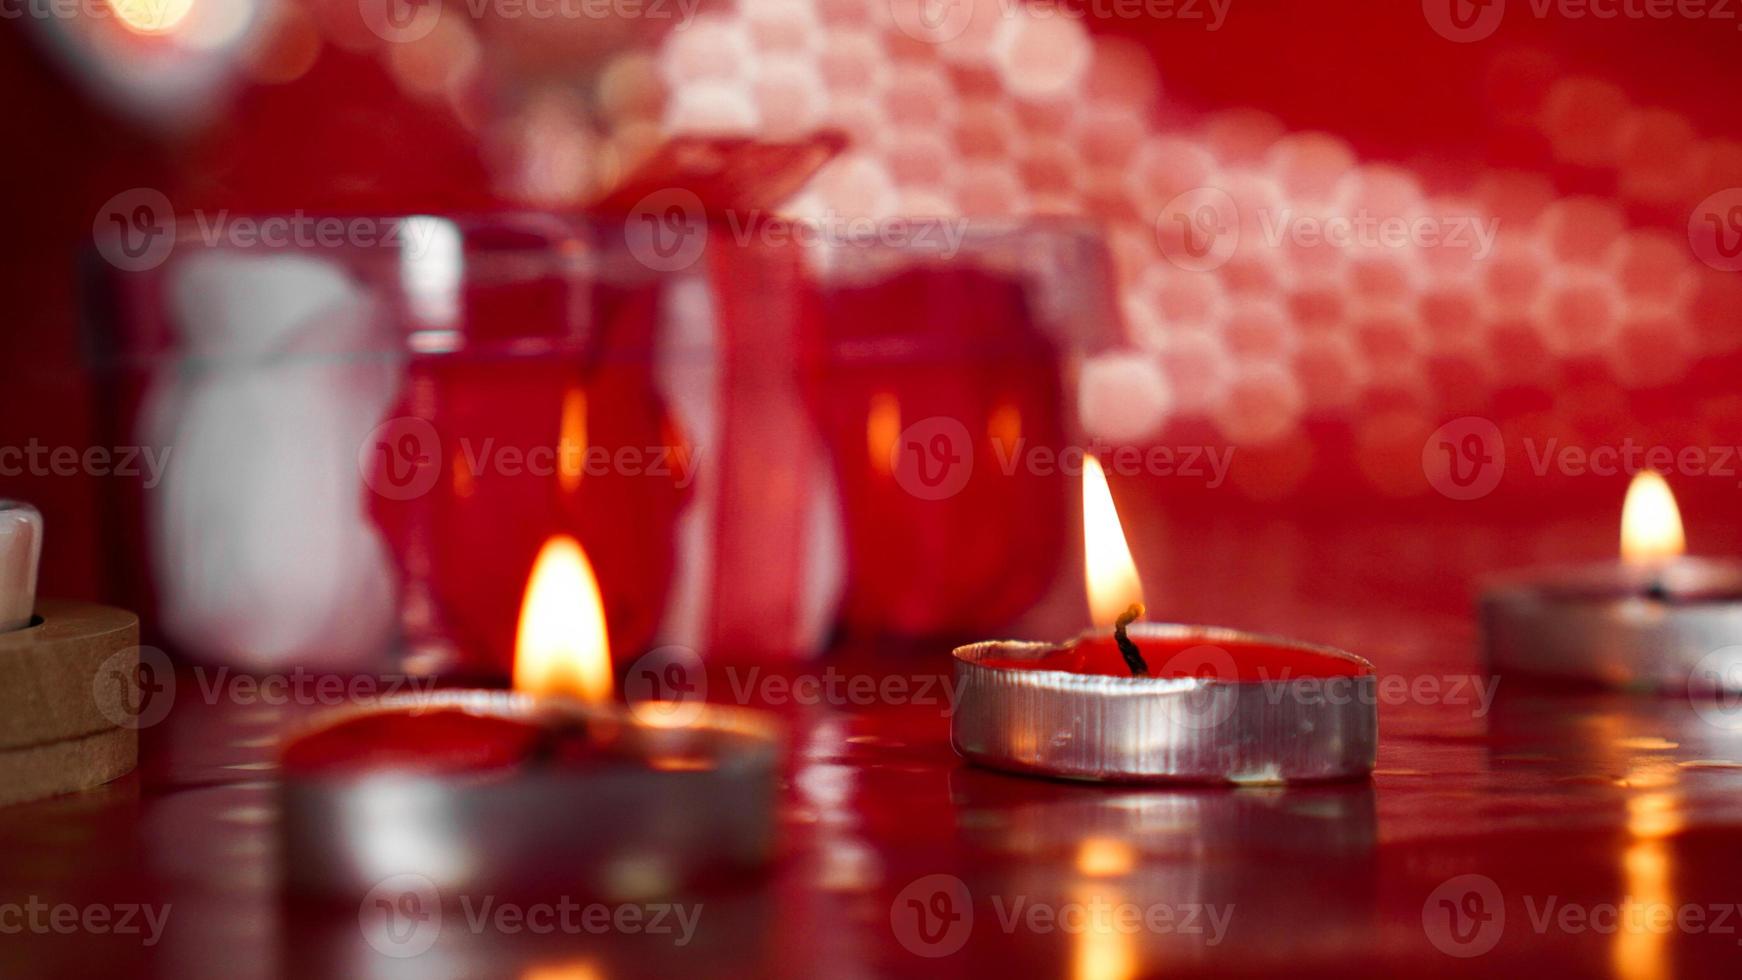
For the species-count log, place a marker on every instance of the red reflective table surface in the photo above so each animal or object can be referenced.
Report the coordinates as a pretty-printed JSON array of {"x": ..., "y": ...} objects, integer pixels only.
[{"x": 1508, "y": 828}]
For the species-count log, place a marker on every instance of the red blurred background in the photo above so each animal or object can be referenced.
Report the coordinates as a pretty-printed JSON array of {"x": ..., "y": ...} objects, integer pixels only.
[{"x": 1592, "y": 141}]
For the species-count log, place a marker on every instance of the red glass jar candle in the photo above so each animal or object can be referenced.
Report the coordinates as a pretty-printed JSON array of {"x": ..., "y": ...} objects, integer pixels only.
[
  {"x": 543, "y": 415},
  {"x": 943, "y": 371}
]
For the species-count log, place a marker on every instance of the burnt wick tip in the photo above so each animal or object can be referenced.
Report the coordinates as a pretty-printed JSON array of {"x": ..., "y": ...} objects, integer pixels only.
[{"x": 1128, "y": 649}]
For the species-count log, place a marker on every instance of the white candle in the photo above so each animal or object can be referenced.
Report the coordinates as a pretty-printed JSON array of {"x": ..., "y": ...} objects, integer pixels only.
[{"x": 20, "y": 550}]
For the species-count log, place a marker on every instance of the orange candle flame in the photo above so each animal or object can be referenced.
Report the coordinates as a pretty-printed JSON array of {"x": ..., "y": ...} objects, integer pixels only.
[
  {"x": 151, "y": 16},
  {"x": 1651, "y": 524},
  {"x": 1110, "y": 575},
  {"x": 561, "y": 647}
]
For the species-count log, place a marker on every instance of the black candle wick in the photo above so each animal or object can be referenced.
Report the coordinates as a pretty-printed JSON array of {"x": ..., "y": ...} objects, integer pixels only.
[
  {"x": 547, "y": 745},
  {"x": 1127, "y": 649}
]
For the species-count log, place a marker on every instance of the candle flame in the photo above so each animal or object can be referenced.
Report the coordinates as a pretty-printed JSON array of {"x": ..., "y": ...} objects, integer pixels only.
[
  {"x": 1651, "y": 525},
  {"x": 1108, "y": 571},
  {"x": 151, "y": 16},
  {"x": 561, "y": 646}
]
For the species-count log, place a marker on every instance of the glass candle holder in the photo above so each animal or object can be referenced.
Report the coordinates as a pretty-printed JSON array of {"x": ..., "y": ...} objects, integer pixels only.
[
  {"x": 367, "y": 438},
  {"x": 948, "y": 373}
]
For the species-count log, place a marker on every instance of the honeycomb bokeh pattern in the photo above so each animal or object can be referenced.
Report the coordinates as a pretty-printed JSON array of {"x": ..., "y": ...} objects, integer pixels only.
[{"x": 1501, "y": 280}]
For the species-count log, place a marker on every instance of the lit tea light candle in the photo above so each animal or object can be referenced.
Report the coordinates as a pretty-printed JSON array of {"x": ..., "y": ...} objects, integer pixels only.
[
  {"x": 20, "y": 554},
  {"x": 1162, "y": 701},
  {"x": 551, "y": 787},
  {"x": 1656, "y": 619}
]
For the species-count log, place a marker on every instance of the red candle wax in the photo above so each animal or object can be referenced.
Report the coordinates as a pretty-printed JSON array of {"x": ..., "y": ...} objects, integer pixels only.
[
  {"x": 487, "y": 792},
  {"x": 1176, "y": 657},
  {"x": 453, "y": 742}
]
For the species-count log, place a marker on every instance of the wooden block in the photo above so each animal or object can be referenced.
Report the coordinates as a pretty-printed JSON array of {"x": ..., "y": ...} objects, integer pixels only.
[
  {"x": 72, "y": 764},
  {"x": 71, "y": 676}
]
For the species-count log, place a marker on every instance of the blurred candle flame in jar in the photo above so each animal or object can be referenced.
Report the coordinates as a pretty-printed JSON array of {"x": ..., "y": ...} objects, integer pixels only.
[
  {"x": 1108, "y": 571},
  {"x": 1651, "y": 525},
  {"x": 572, "y": 440},
  {"x": 561, "y": 647},
  {"x": 882, "y": 429},
  {"x": 578, "y": 970}
]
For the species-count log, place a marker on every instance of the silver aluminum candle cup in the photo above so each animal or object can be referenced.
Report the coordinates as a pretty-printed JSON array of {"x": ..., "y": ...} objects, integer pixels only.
[
  {"x": 1156, "y": 729},
  {"x": 620, "y": 832},
  {"x": 1664, "y": 627}
]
